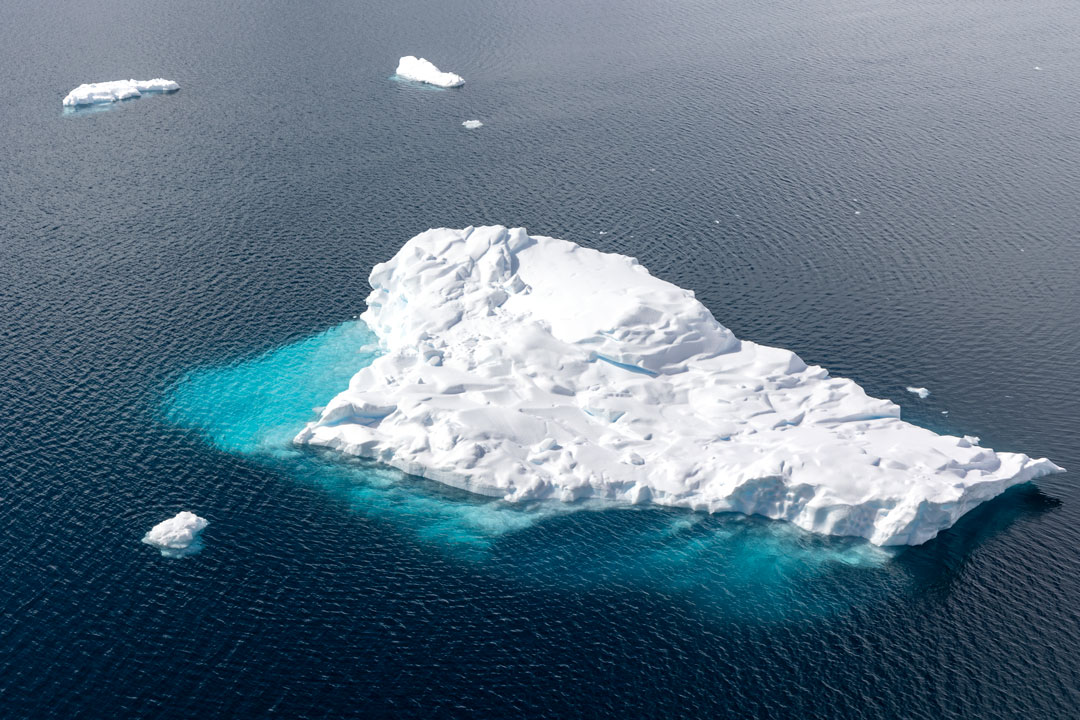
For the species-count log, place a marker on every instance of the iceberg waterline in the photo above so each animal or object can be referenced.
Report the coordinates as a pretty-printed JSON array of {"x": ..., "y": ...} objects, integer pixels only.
[
  {"x": 421, "y": 70},
  {"x": 528, "y": 367},
  {"x": 107, "y": 92}
]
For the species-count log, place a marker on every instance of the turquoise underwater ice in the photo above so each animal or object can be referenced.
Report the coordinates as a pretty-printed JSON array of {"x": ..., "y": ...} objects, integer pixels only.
[{"x": 254, "y": 407}]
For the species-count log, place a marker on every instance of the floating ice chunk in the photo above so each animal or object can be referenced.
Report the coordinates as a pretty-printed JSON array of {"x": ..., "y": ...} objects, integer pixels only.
[
  {"x": 472, "y": 124},
  {"x": 177, "y": 536},
  {"x": 972, "y": 439},
  {"x": 107, "y": 92},
  {"x": 421, "y": 70},
  {"x": 568, "y": 373},
  {"x": 920, "y": 391}
]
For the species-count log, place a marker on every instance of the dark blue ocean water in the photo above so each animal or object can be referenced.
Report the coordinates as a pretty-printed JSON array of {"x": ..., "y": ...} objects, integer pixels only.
[{"x": 888, "y": 188}]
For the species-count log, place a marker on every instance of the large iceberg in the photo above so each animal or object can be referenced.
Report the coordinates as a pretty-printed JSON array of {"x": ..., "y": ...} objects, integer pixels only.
[
  {"x": 529, "y": 367},
  {"x": 421, "y": 70},
  {"x": 107, "y": 92},
  {"x": 178, "y": 536}
]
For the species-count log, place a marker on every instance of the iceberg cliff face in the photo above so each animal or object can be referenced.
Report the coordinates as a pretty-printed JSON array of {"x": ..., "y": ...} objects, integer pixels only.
[
  {"x": 107, "y": 92},
  {"x": 530, "y": 367},
  {"x": 421, "y": 70}
]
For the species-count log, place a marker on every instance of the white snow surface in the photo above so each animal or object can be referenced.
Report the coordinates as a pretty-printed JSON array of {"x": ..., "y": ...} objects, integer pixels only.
[
  {"x": 421, "y": 70},
  {"x": 177, "y": 534},
  {"x": 529, "y": 367},
  {"x": 920, "y": 391},
  {"x": 107, "y": 92},
  {"x": 472, "y": 124}
]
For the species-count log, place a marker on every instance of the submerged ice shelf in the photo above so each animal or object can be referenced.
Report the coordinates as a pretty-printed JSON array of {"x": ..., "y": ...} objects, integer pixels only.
[
  {"x": 528, "y": 367},
  {"x": 107, "y": 92}
]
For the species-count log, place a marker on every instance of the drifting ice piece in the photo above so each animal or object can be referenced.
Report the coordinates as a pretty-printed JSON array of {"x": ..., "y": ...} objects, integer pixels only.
[
  {"x": 529, "y": 367},
  {"x": 177, "y": 536},
  {"x": 921, "y": 392},
  {"x": 421, "y": 70},
  {"x": 107, "y": 92},
  {"x": 472, "y": 124}
]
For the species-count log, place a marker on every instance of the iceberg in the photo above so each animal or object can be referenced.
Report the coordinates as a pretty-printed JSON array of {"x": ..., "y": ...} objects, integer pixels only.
[
  {"x": 178, "y": 536},
  {"x": 526, "y": 367},
  {"x": 472, "y": 124},
  {"x": 107, "y": 92},
  {"x": 421, "y": 70},
  {"x": 920, "y": 391}
]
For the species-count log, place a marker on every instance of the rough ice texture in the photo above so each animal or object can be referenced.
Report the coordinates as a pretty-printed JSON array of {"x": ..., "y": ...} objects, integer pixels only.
[
  {"x": 530, "y": 367},
  {"x": 472, "y": 124},
  {"x": 107, "y": 92},
  {"x": 177, "y": 535},
  {"x": 421, "y": 70}
]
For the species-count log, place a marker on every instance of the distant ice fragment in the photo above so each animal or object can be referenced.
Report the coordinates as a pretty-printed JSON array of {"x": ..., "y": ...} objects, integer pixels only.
[
  {"x": 178, "y": 536},
  {"x": 472, "y": 124},
  {"x": 920, "y": 391},
  {"x": 421, "y": 70},
  {"x": 107, "y": 92},
  {"x": 572, "y": 374}
]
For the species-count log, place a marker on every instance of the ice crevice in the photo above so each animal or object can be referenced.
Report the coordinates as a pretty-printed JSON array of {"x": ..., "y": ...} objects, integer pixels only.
[{"x": 528, "y": 367}]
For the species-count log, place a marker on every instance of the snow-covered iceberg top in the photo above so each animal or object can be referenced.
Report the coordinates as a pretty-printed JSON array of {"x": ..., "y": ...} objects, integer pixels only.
[
  {"x": 107, "y": 92},
  {"x": 529, "y": 367},
  {"x": 421, "y": 70},
  {"x": 177, "y": 536}
]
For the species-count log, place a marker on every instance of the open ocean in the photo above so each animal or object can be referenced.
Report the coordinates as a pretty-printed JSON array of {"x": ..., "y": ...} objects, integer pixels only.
[{"x": 888, "y": 188}]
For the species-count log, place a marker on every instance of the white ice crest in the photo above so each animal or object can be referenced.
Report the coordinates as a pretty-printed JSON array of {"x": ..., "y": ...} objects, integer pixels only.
[
  {"x": 107, "y": 92},
  {"x": 178, "y": 536},
  {"x": 528, "y": 367},
  {"x": 421, "y": 70}
]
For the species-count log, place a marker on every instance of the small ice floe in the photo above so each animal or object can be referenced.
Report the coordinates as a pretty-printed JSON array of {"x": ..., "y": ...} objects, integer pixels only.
[
  {"x": 178, "y": 536},
  {"x": 920, "y": 391},
  {"x": 1038, "y": 68},
  {"x": 472, "y": 124},
  {"x": 421, "y": 70},
  {"x": 107, "y": 92}
]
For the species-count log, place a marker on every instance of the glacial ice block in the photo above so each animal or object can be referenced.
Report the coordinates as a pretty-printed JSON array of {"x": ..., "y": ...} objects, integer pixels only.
[
  {"x": 107, "y": 92},
  {"x": 529, "y": 367},
  {"x": 421, "y": 70},
  {"x": 177, "y": 536}
]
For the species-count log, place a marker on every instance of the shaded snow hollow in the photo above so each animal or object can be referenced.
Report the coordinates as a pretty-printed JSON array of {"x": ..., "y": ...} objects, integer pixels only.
[
  {"x": 421, "y": 70},
  {"x": 107, "y": 92},
  {"x": 530, "y": 367}
]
